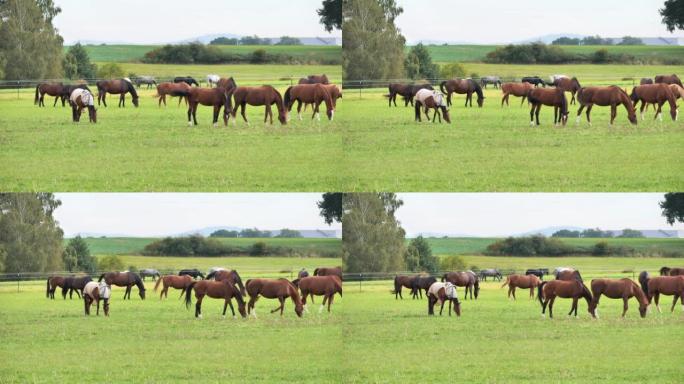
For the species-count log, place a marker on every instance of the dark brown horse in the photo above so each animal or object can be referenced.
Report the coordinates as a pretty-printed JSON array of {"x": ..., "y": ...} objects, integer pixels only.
[
  {"x": 80, "y": 99},
  {"x": 421, "y": 283},
  {"x": 463, "y": 86},
  {"x": 623, "y": 289},
  {"x": 657, "y": 94},
  {"x": 264, "y": 95},
  {"x": 515, "y": 89},
  {"x": 173, "y": 281},
  {"x": 437, "y": 294},
  {"x": 52, "y": 283},
  {"x": 124, "y": 279},
  {"x": 467, "y": 279},
  {"x": 646, "y": 80},
  {"x": 328, "y": 271},
  {"x": 668, "y": 79},
  {"x": 217, "y": 290},
  {"x": 666, "y": 285},
  {"x": 181, "y": 90},
  {"x": 553, "y": 97},
  {"x": 212, "y": 97},
  {"x": 309, "y": 94},
  {"x": 116, "y": 87},
  {"x": 568, "y": 85},
  {"x": 51, "y": 89},
  {"x": 605, "y": 96},
  {"x": 231, "y": 275},
  {"x": 667, "y": 271},
  {"x": 401, "y": 281},
  {"x": 273, "y": 289},
  {"x": 573, "y": 289},
  {"x": 407, "y": 91},
  {"x": 75, "y": 284},
  {"x": 521, "y": 281},
  {"x": 326, "y": 286},
  {"x": 314, "y": 79}
]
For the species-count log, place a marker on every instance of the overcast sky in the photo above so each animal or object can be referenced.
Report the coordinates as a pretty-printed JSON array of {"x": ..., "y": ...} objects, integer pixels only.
[
  {"x": 155, "y": 21},
  {"x": 503, "y": 214},
  {"x": 497, "y": 21},
  {"x": 159, "y": 214}
]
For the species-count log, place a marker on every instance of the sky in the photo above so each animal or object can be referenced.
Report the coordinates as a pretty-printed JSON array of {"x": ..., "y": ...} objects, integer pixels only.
[
  {"x": 497, "y": 21},
  {"x": 162, "y": 214},
  {"x": 161, "y": 21},
  {"x": 505, "y": 214}
]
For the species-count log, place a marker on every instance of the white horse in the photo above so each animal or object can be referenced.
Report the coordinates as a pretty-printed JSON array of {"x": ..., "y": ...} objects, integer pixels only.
[
  {"x": 429, "y": 99},
  {"x": 94, "y": 292},
  {"x": 213, "y": 79}
]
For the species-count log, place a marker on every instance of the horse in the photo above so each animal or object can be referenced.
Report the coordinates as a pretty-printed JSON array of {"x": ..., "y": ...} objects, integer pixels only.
[
  {"x": 441, "y": 292},
  {"x": 421, "y": 283},
  {"x": 668, "y": 79},
  {"x": 124, "y": 279},
  {"x": 153, "y": 273},
  {"x": 79, "y": 99},
  {"x": 617, "y": 289},
  {"x": 309, "y": 93},
  {"x": 426, "y": 100},
  {"x": 213, "y": 80},
  {"x": 116, "y": 87},
  {"x": 52, "y": 283},
  {"x": 567, "y": 274},
  {"x": 653, "y": 287},
  {"x": 530, "y": 281},
  {"x": 326, "y": 286},
  {"x": 94, "y": 292},
  {"x": 52, "y": 89},
  {"x": 667, "y": 271},
  {"x": 75, "y": 284},
  {"x": 534, "y": 80},
  {"x": 173, "y": 281},
  {"x": 303, "y": 273},
  {"x": 231, "y": 275},
  {"x": 149, "y": 80},
  {"x": 273, "y": 289},
  {"x": 493, "y": 273},
  {"x": 657, "y": 94},
  {"x": 217, "y": 290},
  {"x": 401, "y": 281},
  {"x": 515, "y": 89},
  {"x": 605, "y": 96},
  {"x": 264, "y": 95},
  {"x": 182, "y": 90},
  {"x": 407, "y": 91},
  {"x": 213, "y": 97},
  {"x": 551, "y": 97},
  {"x": 646, "y": 80},
  {"x": 68, "y": 89},
  {"x": 466, "y": 279},
  {"x": 194, "y": 273},
  {"x": 463, "y": 86},
  {"x": 574, "y": 289},
  {"x": 185, "y": 79},
  {"x": 328, "y": 271},
  {"x": 539, "y": 272},
  {"x": 495, "y": 80},
  {"x": 314, "y": 79},
  {"x": 334, "y": 92},
  {"x": 553, "y": 78},
  {"x": 568, "y": 85}
]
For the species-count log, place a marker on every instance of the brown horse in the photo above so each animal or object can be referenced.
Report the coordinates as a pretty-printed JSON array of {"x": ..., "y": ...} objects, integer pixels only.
[
  {"x": 605, "y": 96},
  {"x": 463, "y": 86},
  {"x": 646, "y": 80},
  {"x": 326, "y": 286},
  {"x": 551, "y": 97},
  {"x": 617, "y": 289},
  {"x": 656, "y": 94},
  {"x": 173, "y": 281},
  {"x": 515, "y": 89},
  {"x": 310, "y": 93},
  {"x": 401, "y": 281},
  {"x": 52, "y": 89},
  {"x": 574, "y": 289},
  {"x": 426, "y": 100},
  {"x": 407, "y": 91},
  {"x": 329, "y": 271},
  {"x": 666, "y": 285},
  {"x": 116, "y": 87},
  {"x": 567, "y": 274},
  {"x": 521, "y": 281},
  {"x": 437, "y": 294},
  {"x": 273, "y": 289},
  {"x": 423, "y": 282},
  {"x": 668, "y": 79},
  {"x": 124, "y": 279},
  {"x": 264, "y": 95},
  {"x": 212, "y": 97},
  {"x": 217, "y": 290},
  {"x": 467, "y": 279},
  {"x": 80, "y": 99},
  {"x": 314, "y": 79},
  {"x": 667, "y": 271},
  {"x": 173, "y": 89},
  {"x": 568, "y": 85},
  {"x": 75, "y": 284},
  {"x": 52, "y": 283},
  {"x": 231, "y": 275}
]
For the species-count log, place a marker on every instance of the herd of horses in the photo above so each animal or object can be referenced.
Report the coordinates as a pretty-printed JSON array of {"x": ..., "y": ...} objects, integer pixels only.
[
  {"x": 568, "y": 284},
  {"x": 219, "y": 283},
  {"x": 223, "y": 93},
  {"x": 533, "y": 89}
]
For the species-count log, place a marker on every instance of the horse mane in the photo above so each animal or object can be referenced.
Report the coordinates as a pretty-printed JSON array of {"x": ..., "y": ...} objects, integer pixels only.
[
  {"x": 102, "y": 276},
  {"x": 286, "y": 100},
  {"x": 279, "y": 100},
  {"x": 575, "y": 81},
  {"x": 643, "y": 280},
  {"x": 442, "y": 86},
  {"x": 131, "y": 88},
  {"x": 315, "y": 272},
  {"x": 478, "y": 89},
  {"x": 586, "y": 293},
  {"x": 138, "y": 281}
]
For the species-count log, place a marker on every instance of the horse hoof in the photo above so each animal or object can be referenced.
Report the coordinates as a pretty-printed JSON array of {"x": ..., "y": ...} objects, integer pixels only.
[
  {"x": 223, "y": 317},
  {"x": 199, "y": 317},
  {"x": 531, "y": 124},
  {"x": 543, "y": 316},
  {"x": 189, "y": 123}
]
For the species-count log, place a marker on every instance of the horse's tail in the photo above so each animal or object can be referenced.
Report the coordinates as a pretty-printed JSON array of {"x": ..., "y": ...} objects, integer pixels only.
[
  {"x": 540, "y": 292},
  {"x": 564, "y": 103},
  {"x": 47, "y": 290},
  {"x": 442, "y": 87},
  {"x": 643, "y": 281},
  {"x": 101, "y": 277},
  {"x": 156, "y": 286},
  {"x": 396, "y": 285},
  {"x": 288, "y": 96},
  {"x": 188, "y": 296},
  {"x": 35, "y": 99},
  {"x": 508, "y": 278}
]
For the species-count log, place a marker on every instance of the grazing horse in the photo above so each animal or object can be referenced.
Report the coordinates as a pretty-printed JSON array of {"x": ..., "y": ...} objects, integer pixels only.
[
  {"x": 82, "y": 98},
  {"x": 182, "y": 90},
  {"x": 668, "y": 79},
  {"x": 530, "y": 281},
  {"x": 326, "y": 286},
  {"x": 212, "y": 97},
  {"x": 334, "y": 92},
  {"x": 94, "y": 292},
  {"x": 646, "y": 80},
  {"x": 231, "y": 275},
  {"x": 173, "y": 281},
  {"x": 539, "y": 272},
  {"x": 666, "y": 285},
  {"x": 551, "y": 97},
  {"x": 656, "y": 94},
  {"x": 534, "y": 80},
  {"x": 568, "y": 85},
  {"x": 68, "y": 89},
  {"x": 515, "y": 89},
  {"x": 314, "y": 79},
  {"x": 467, "y": 279},
  {"x": 153, "y": 273},
  {"x": 303, "y": 273},
  {"x": 567, "y": 274},
  {"x": 194, "y": 273},
  {"x": 463, "y": 86},
  {"x": 667, "y": 271},
  {"x": 264, "y": 95},
  {"x": 213, "y": 80},
  {"x": 116, "y": 87},
  {"x": 493, "y": 273},
  {"x": 421, "y": 283},
  {"x": 407, "y": 91},
  {"x": 310, "y": 94},
  {"x": 149, "y": 80},
  {"x": 426, "y": 100},
  {"x": 52, "y": 89},
  {"x": 617, "y": 289},
  {"x": 124, "y": 279},
  {"x": 273, "y": 289},
  {"x": 401, "y": 281},
  {"x": 328, "y": 271},
  {"x": 185, "y": 79},
  {"x": 573, "y": 289},
  {"x": 52, "y": 283},
  {"x": 495, "y": 80},
  {"x": 73, "y": 283},
  {"x": 605, "y": 96},
  {"x": 438, "y": 293},
  {"x": 217, "y": 290}
]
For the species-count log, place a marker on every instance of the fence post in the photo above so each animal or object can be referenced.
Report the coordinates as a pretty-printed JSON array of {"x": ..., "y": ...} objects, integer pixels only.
[
  {"x": 360, "y": 278},
  {"x": 18, "y": 278}
]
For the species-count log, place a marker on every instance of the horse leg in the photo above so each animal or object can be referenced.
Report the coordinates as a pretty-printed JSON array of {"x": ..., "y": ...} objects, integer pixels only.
[
  {"x": 225, "y": 306},
  {"x": 331, "y": 297},
  {"x": 441, "y": 308},
  {"x": 625, "y": 299},
  {"x": 553, "y": 298},
  {"x": 544, "y": 307},
  {"x": 613, "y": 113},
  {"x": 504, "y": 98},
  {"x": 555, "y": 115},
  {"x": 268, "y": 113},
  {"x": 55, "y": 103},
  {"x": 194, "y": 112},
  {"x": 573, "y": 307},
  {"x": 243, "y": 107},
  {"x": 589, "y": 113},
  {"x": 104, "y": 97},
  {"x": 250, "y": 306},
  {"x": 659, "y": 111},
  {"x": 536, "y": 114},
  {"x": 98, "y": 308},
  {"x": 674, "y": 302},
  {"x": 656, "y": 298},
  {"x": 217, "y": 109},
  {"x": 532, "y": 115},
  {"x": 198, "y": 306},
  {"x": 232, "y": 310},
  {"x": 641, "y": 110},
  {"x": 579, "y": 114}
]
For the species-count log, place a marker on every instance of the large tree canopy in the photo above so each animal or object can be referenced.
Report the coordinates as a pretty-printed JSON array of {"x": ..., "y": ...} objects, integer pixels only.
[
  {"x": 673, "y": 14},
  {"x": 331, "y": 207},
  {"x": 673, "y": 207},
  {"x": 331, "y": 14}
]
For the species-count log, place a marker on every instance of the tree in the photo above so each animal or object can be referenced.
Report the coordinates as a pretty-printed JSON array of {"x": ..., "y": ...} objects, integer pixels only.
[
  {"x": 224, "y": 41},
  {"x": 426, "y": 261},
  {"x": 566, "y": 233},
  {"x": 452, "y": 263},
  {"x": 30, "y": 238},
  {"x": 673, "y": 14},
  {"x": 451, "y": 71},
  {"x": 566, "y": 41},
  {"x": 631, "y": 233},
  {"x": 419, "y": 64},
  {"x": 77, "y": 256},
  {"x": 254, "y": 40},
  {"x": 596, "y": 40},
  {"x": 84, "y": 68},
  {"x": 30, "y": 46},
  {"x": 331, "y": 207},
  {"x": 224, "y": 233},
  {"x": 110, "y": 71},
  {"x": 596, "y": 233},
  {"x": 289, "y": 233},
  {"x": 287, "y": 40},
  {"x": 372, "y": 238},
  {"x": 254, "y": 233},
  {"x": 673, "y": 207},
  {"x": 111, "y": 263},
  {"x": 331, "y": 14},
  {"x": 259, "y": 56},
  {"x": 373, "y": 47},
  {"x": 629, "y": 40}
]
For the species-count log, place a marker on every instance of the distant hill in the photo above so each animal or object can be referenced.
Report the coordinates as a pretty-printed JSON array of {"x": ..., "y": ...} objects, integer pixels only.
[
  {"x": 306, "y": 233},
  {"x": 206, "y": 39}
]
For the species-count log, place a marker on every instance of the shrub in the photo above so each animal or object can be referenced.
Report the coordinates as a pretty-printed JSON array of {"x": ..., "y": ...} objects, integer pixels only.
[
  {"x": 110, "y": 263},
  {"x": 259, "y": 249},
  {"x": 110, "y": 71},
  {"x": 452, "y": 263}
]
